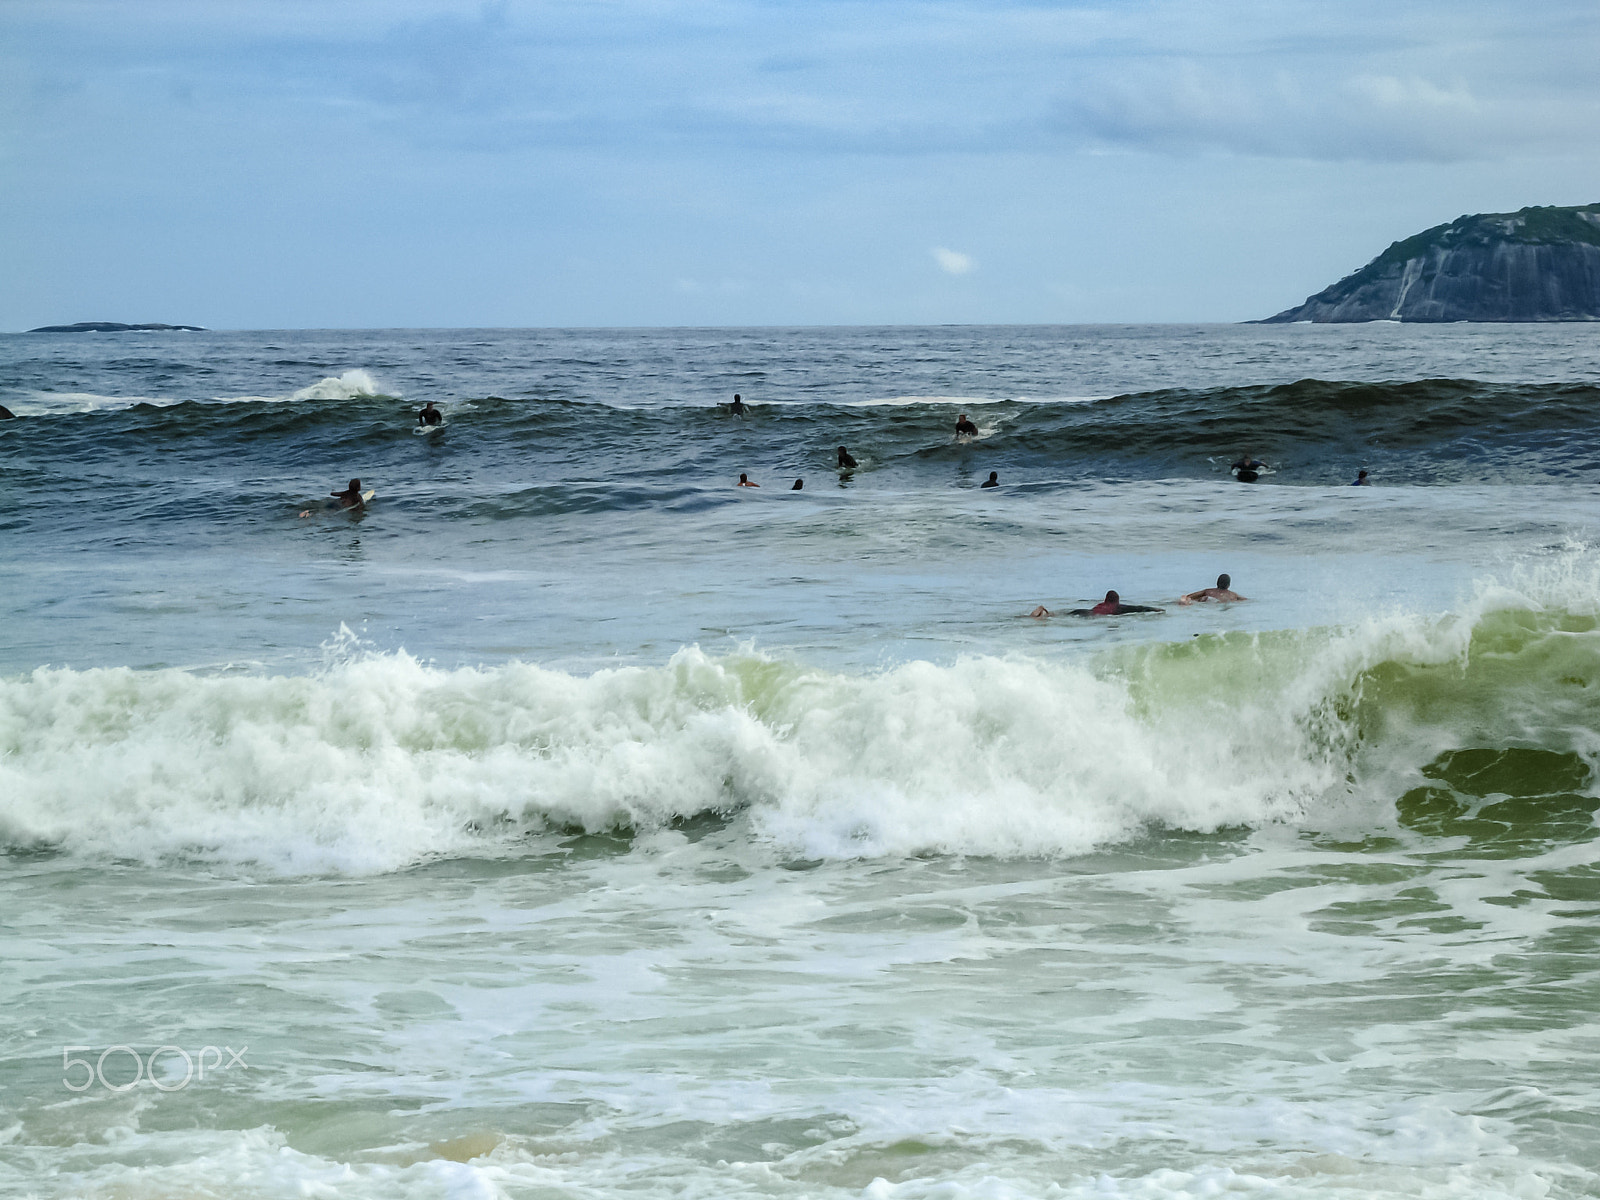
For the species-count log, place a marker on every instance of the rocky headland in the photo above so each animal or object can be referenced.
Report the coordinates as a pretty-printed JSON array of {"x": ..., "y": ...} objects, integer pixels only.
[{"x": 1537, "y": 264}]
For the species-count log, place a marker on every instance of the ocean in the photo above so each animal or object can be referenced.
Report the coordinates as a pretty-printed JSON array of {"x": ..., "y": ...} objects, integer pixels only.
[{"x": 571, "y": 822}]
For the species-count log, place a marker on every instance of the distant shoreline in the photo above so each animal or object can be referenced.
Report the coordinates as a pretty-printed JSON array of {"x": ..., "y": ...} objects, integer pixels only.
[{"x": 116, "y": 327}]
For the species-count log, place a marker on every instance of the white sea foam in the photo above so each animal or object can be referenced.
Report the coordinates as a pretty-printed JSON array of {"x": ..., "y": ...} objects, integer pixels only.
[
  {"x": 349, "y": 385},
  {"x": 342, "y": 387},
  {"x": 376, "y": 763}
]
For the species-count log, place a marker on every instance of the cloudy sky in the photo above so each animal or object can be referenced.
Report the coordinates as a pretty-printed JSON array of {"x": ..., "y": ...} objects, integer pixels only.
[{"x": 345, "y": 163}]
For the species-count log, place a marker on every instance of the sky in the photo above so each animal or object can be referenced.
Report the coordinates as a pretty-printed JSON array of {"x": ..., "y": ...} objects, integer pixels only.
[{"x": 360, "y": 164}]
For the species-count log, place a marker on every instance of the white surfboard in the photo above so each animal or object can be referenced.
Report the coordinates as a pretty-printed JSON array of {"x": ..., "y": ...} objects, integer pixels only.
[{"x": 419, "y": 430}]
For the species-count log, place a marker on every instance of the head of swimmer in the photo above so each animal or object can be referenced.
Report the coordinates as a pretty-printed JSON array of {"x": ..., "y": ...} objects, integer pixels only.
[{"x": 1224, "y": 582}]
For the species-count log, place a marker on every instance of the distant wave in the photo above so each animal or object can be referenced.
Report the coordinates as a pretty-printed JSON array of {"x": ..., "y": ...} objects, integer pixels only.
[{"x": 349, "y": 385}]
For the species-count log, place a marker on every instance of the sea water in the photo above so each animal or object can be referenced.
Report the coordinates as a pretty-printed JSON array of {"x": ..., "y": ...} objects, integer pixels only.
[{"x": 574, "y": 823}]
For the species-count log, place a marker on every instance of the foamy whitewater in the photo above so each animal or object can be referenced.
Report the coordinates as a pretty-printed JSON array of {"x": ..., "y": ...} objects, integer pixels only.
[{"x": 572, "y": 823}]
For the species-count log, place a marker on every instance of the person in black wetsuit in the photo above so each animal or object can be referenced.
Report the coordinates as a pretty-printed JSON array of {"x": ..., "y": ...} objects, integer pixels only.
[
  {"x": 1111, "y": 606},
  {"x": 992, "y": 481},
  {"x": 738, "y": 406},
  {"x": 430, "y": 415},
  {"x": 1361, "y": 479},
  {"x": 799, "y": 484},
  {"x": 844, "y": 458},
  {"x": 1247, "y": 469},
  {"x": 965, "y": 428}
]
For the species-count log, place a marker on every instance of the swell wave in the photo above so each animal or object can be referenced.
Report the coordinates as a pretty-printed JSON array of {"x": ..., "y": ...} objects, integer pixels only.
[
  {"x": 1312, "y": 431},
  {"x": 382, "y": 761}
]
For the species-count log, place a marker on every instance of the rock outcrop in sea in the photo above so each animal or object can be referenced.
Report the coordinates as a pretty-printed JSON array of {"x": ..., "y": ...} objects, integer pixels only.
[
  {"x": 1537, "y": 264},
  {"x": 112, "y": 327}
]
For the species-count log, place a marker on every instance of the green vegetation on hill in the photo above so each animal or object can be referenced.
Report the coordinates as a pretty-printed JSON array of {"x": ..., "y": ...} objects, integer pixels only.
[{"x": 1534, "y": 226}]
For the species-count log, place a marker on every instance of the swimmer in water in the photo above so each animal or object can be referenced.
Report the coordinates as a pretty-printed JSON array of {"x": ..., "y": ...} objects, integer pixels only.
[
  {"x": 1222, "y": 592},
  {"x": 844, "y": 458},
  {"x": 1361, "y": 479},
  {"x": 992, "y": 481},
  {"x": 798, "y": 485},
  {"x": 430, "y": 415},
  {"x": 744, "y": 481},
  {"x": 737, "y": 407},
  {"x": 965, "y": 428},
  {"x": 1111, "y": 606}
]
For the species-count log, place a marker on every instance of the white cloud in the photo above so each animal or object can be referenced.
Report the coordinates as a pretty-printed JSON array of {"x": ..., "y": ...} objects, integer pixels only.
[{"x": 953, "y": 262}]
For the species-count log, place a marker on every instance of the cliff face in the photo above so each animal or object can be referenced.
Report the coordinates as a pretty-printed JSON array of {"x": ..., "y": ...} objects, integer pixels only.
[{"x": 1539, "y": 264}]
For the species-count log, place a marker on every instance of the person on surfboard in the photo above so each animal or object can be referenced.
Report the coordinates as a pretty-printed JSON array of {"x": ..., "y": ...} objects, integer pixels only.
[
  {"x": 1247, "y": 469},
  {"x": 1222, "y": 592},
  {"x": 430, "y": 415},
  {"x": 351, "y": 496},
  {"x": 846, "y": 459},
  {"x": 1111, "y": 606},
  {"x": 965, "y": 428}
]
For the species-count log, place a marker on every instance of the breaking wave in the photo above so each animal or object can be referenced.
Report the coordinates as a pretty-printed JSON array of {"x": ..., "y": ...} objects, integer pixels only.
[{"x": 379, "y": 761}]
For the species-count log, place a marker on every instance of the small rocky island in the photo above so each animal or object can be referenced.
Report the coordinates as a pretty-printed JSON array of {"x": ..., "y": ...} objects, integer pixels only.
[
  {"x": 1537, "y": 264},
  {"x": 112, "y": 327}
]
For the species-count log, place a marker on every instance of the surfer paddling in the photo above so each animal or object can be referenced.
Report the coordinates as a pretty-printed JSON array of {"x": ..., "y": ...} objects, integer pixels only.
[
  {"x": 1111, "y": 606},
  {"x": 965, "y": 428},
  {"x": 744, "y": 481},
  {"x": 430, "y": 415},
  {"x": 1223, "y": 593}
]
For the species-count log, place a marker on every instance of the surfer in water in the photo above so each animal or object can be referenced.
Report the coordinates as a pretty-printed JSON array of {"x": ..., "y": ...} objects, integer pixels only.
[
  {"x": 1361, "y": 479},
  {"x": 845, "y": 460},
  {"x": 430, "y": 415},
  {"x": 1247, "y": 469},
  {"x": 799, "y": 484},
  {"x": 1111, "y": 606},
  {"x": 965, "y": 428},
  {"x": 351, "y": 496},
  {"x": 992, "y": 481},
  {"x": 737, "y": 407},
  {"x": 744, "y": 481},
  {"x": 1223, "y": 592}
]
